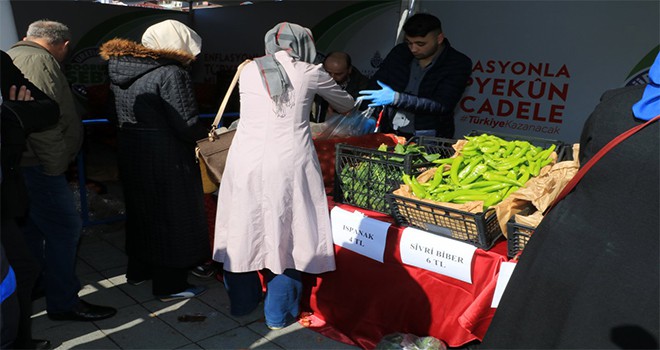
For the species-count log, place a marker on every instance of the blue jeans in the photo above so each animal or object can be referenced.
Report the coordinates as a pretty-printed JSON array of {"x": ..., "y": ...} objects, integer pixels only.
[
  {"x": 52, "y": 232},
  {"x": 282, "y": 303}
]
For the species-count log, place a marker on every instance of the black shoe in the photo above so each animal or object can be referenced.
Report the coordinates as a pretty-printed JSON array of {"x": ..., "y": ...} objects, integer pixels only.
[
  {"x": 84, "y": 311},
  {"x": 133, "y": 282},
  {"x": 205, "y": 270},
  {"x": 36, "y": 344}
]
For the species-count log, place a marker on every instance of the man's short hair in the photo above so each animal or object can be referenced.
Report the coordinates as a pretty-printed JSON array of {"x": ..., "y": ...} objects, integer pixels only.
[
  {"x": 51, "y": 31},
  {"x": 340, "y": 54},
  {"x": 421, "y": 24}
]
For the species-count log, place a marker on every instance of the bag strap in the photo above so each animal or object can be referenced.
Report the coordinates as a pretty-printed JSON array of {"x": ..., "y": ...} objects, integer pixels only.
[
  {"x": 223, "y": 105},
  {"x": 578, "y": 176}
]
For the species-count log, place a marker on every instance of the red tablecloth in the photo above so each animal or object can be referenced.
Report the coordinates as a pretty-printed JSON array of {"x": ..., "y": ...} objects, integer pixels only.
[{"x": 364, "y": 300}]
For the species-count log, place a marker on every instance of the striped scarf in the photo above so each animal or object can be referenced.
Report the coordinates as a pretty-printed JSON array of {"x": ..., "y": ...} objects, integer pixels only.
[{"x": 298, "y": 42}]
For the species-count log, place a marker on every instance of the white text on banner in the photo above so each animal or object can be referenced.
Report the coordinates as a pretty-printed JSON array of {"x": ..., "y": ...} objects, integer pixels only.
[
  {"x": 358, "y": 233},
  {"x": 435, "y": 253}
]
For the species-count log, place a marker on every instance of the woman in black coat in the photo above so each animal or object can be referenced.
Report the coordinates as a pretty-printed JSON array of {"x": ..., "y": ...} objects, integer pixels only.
[
  {"x": 166, "y": 227},
  {"x": 588, "y": 278}
]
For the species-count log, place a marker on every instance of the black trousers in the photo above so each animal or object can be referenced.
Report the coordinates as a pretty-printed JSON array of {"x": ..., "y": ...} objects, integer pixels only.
[
  {"x": 27, "y": 272},
  {"x": 165, "y": 280}
]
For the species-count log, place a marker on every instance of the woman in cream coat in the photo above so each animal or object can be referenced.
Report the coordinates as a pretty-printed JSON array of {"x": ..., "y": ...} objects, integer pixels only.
[{"x": 272, "y": 209}]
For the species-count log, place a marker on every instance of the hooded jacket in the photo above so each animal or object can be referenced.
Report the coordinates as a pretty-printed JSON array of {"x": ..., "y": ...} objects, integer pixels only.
[
  {"x": 55, "y": 148},
  {"x": 156, "y": 112}
]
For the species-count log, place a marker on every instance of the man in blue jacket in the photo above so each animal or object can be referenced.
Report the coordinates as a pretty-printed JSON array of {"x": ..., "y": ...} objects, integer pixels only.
[{"x": 421, "y": 81}]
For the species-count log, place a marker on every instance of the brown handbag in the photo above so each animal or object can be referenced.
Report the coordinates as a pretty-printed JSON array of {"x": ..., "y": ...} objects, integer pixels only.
[{"x": 212, "y": 150}]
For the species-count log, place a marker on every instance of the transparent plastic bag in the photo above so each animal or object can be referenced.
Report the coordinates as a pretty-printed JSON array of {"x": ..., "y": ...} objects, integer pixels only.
[
  {"x": 355, "y": 123},
  {"x": 407, "y": 341}
]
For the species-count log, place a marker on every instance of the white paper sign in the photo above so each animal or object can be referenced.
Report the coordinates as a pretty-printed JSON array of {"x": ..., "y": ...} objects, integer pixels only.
[
  {"x": 439, "y": 254},
  {"x": 356, "y": 232},
  {"x": 506, "y": 269}
]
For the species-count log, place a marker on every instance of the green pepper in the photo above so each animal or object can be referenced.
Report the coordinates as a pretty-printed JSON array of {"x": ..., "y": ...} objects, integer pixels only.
[
  {"x": 455, "y": 168},
  {"x": 512, "y": 174},
  {"x": 546, "y": 153},
  {"x": 469, "y": 146},
  {"x": 533, "y": 151},
  {"x": 510, "y": 146},
  {"x": 492, "y": 199},
  {"x": 478, "y": 170},
  {"x": 437, "y": 179},
  {"x": 450, "y": 195},
  {"x": 489, "y": 146},
  {"x": 443, "y": 161},
  {"x": 508, "y": 163},
  {"x": 524, "y": 176},
  {"x": 496, "y": 177},
  {"x": 442, "y": 188},
  {"x": 471, "y": 197},
  {"x": 545, "y": 162},
  {"x": 468, "y": 168},
  {"x": 535, "y": 167},
  {"x": 495, "y": 187},
  {"x": 416, "y": 188},
  {"x": 519, "y": 152},
  {"x": 510, "y": 190},
  {"x": 420, "y": 190},
  {"x": 480, "y": 184}
]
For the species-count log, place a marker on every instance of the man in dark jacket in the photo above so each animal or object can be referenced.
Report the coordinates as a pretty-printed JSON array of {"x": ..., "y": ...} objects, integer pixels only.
[
  {"x": 25, "y": 109},
  {"x": 421, "y": 81}
]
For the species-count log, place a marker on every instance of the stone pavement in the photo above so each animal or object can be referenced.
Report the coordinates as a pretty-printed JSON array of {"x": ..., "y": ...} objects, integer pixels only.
[{"x": 143, "y": 322}]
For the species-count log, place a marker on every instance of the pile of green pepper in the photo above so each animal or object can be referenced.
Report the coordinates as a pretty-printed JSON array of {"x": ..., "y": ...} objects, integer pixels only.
[{"x": 486, "y": 169}]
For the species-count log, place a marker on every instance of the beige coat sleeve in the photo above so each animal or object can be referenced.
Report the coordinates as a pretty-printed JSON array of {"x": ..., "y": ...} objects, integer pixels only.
[{"x": 340, "y": 100}]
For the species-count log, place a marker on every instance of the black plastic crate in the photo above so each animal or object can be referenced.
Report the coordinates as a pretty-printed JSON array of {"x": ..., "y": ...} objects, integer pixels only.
[
  {"x": 479, "y": 229},
  {"x": 518, "y": 236},
  {"x": 435, "y": 145},
  {"x": 363, "y": 176}
]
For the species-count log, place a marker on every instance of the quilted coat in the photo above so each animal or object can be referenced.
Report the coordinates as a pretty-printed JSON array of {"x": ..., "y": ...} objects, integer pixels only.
[{"x": 156, "y": 113}]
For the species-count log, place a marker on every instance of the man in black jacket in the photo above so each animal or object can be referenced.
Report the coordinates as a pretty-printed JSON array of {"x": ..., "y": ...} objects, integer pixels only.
[
  {"x": 421, "y": 81},
  {"x": 25, "y": 109}
]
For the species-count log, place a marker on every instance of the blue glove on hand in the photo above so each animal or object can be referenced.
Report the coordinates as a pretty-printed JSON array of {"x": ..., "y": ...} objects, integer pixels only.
[{"x": 382, "y": 97}]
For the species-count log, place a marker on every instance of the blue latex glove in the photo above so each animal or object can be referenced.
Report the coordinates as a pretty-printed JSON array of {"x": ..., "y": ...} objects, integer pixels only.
[{"x": 382, "y": 97}]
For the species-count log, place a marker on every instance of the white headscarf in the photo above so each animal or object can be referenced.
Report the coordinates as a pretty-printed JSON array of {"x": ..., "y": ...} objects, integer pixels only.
[{"x": 174, "y": 35}]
